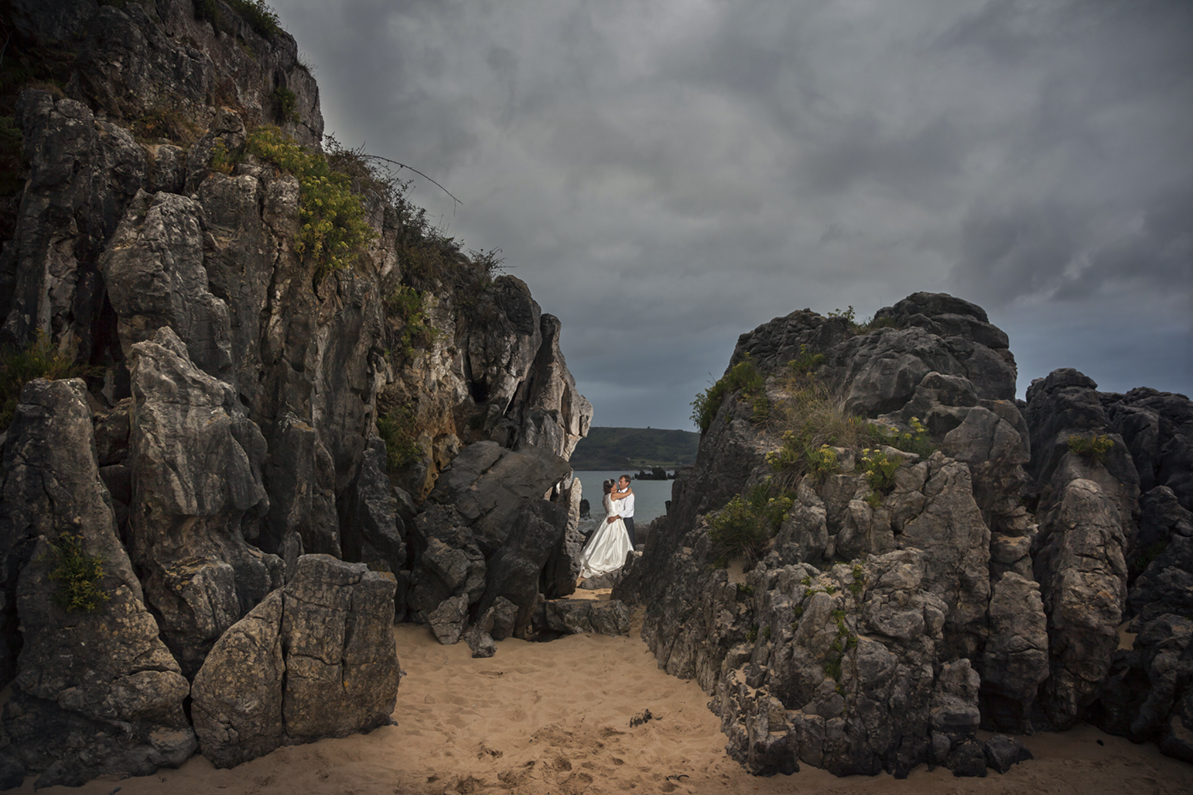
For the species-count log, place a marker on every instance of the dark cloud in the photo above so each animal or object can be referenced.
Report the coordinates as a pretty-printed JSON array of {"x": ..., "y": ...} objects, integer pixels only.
[{"x": 668, "y": 175}]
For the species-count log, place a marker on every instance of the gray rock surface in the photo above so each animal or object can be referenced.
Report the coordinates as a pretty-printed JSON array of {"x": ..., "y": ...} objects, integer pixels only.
[
  {"x": 516, "y": 571},
  {"x": 318, "y": 656},
  {"x": 97, "y": 691},
  {"x": 154, "y": 269},
  {"x": 197, "y": 485},
  {"x": 581, "y": 616},
  {"x": 1082, "y": 574}
]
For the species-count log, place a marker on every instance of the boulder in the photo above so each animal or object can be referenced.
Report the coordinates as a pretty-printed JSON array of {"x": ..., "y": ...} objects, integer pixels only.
[
  {"x": 1003, "y": 753},
  {"x": 515, "y": 572},
  {"x": 449, "y": 563},
  {"x": 318, "y": 655},
  {"x": 581, "y": 616},
  {"x": 489, "y": 486}
]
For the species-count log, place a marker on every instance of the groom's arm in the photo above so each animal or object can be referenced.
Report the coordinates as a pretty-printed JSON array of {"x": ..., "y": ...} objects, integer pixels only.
[{"x": 621, "y": 495}]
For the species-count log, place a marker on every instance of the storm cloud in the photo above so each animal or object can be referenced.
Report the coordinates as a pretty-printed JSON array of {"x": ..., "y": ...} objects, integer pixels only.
[{"x": 668, "y": 175}]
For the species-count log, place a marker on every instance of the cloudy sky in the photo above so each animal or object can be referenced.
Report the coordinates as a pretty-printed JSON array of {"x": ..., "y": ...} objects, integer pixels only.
[{"x": 668, "y": 174}]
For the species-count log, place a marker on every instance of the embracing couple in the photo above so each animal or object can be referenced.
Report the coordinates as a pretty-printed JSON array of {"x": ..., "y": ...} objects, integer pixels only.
[{"x": 609, "y": 544}]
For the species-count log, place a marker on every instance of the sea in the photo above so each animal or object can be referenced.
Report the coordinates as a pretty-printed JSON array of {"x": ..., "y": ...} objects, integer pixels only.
[{"x": 650, "y": 496}]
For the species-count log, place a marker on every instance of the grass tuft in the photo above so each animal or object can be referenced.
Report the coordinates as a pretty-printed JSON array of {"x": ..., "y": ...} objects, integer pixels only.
[
  {"x": 39, "y": 359},
  {"x": 79, "y": 575}
]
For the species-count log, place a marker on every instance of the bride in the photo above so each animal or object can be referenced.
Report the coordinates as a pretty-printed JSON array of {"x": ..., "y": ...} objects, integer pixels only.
[{"x": 606, "y": 550}]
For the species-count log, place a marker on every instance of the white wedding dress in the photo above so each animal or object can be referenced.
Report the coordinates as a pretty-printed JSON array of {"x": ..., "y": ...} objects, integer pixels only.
[{"x": 608, "y": 546}]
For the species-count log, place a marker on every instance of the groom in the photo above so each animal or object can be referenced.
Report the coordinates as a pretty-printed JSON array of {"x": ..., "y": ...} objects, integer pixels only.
[{"x": 623, "y": 500}]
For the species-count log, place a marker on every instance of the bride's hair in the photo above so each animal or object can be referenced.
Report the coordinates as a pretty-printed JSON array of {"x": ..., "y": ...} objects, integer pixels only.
[{"x": 608, "y": 485}]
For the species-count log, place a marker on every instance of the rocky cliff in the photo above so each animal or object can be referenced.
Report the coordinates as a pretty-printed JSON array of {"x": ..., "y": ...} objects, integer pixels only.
[
  {"x": 879, "y": 551},
  {"x": 298, "y": 411}
]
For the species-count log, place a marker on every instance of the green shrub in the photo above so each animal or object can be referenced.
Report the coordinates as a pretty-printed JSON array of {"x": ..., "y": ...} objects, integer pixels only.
[
  {"x": 407, "y": 305},
  {"x": 880, "y": 470},
  {"x": 285, "y": 105},
  {"x": 743, "y": 528},
  {"x": 1146, "y": 556},
  {"x": 875, "y": 323},
  {"x": 333, "y": 231},
  {"x": 1092, "y": 449},
  {"x": 79, "y": 575},
  {"x": 40, "y": 359},
  {"x": 399, "y": 429},
  {"x": 806, "y": 362},
  {"x": 845, "y": 314},
  {"x": 165, "y": 123},
  {"x": 859, "y": 580},
  {"x": 914, "y": 441},
  {"x": 822, "y": 462},
  {"x": 736, "y": 531},
  {"x": 743, "y": 376},
  {"x": 221, "y": 160}
]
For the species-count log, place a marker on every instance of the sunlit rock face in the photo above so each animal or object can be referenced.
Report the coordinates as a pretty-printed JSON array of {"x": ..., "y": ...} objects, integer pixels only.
[
  {"x": 247, "y": 407},
  {"x": 983, "y": 585}
]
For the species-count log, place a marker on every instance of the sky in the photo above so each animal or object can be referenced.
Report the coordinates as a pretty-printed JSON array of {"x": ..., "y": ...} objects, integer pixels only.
[{"x": 666, "y": 175}]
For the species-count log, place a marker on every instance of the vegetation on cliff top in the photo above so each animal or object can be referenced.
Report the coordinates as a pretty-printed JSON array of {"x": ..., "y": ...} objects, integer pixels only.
[
  {"x": 260, "y": 16},
  {"x": 810, "y": 418},
  {"x": 333, "y": 230}
]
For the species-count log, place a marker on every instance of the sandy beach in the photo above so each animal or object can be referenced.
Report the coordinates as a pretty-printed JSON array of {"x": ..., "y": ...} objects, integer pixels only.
[{"x": 556, "y": 718}]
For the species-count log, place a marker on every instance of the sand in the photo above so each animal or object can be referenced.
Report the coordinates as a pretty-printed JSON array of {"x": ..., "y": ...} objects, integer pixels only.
[{"x": 556, "y": 718}]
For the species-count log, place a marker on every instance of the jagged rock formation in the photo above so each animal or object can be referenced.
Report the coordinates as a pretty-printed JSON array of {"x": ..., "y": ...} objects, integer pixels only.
[
  {"x": 1114, "y": 546},
  {"x": 982, "y": 585},
  {"x": 97, "y": 692},
  {"x": 245, "y": 405}
]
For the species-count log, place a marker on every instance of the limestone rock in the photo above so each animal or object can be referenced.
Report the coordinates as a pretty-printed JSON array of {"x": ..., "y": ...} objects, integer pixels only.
[
  {"x": 82, "y": 175},
  {"x": 373, "y": 529},
  {"x": 318, "y": 657},
  {"x": 96, "y": 692},
  {"x": 1015, "y": 659},
  {"x": 579, "y": 616},
  {"x": 516, "y": 571},
  {"x": 197, "y": 484},
  {"x": 489, "y": 485},
  {"x": 155, "y": 277},
  {"x": 1082, "y": 576},
  {"x": 555, "y": 416},
  {"x": 1159, "y": 558},
  {"x": 563, "y": 565}
]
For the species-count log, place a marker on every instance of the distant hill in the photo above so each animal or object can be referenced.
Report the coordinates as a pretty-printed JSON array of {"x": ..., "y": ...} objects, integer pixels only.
[{"x": 634, "y": 448}]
